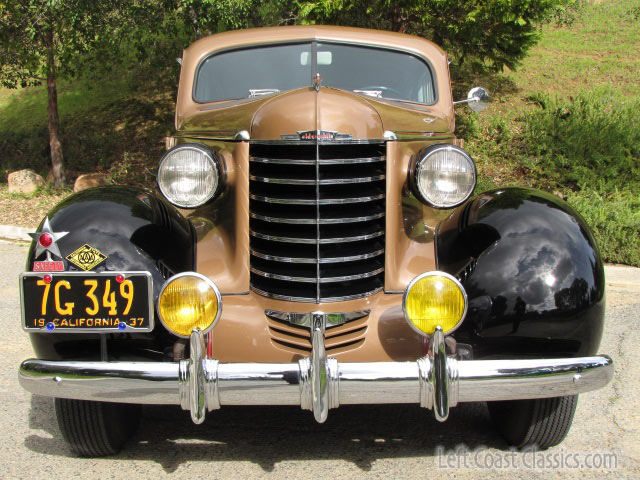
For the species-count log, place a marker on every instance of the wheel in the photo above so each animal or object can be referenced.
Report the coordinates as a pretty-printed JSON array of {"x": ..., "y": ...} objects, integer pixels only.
[
  {"x": 543, "y": 422},
  {"x": 96, "y": 429}
]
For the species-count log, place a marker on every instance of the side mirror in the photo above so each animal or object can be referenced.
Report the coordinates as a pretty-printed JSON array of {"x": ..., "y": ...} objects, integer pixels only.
[{"x": 477, "y": 98}]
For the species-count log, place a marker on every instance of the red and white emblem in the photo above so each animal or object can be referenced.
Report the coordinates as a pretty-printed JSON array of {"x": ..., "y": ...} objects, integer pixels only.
[{"x": 46, "y": 241}]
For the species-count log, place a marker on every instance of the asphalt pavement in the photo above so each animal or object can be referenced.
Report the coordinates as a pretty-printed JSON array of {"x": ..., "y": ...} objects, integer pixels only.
[{"x": 356, "y": 441}]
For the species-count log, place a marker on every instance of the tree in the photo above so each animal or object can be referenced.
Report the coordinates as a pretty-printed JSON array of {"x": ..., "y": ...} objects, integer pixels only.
[
  {"x": 489, "y": 34},
  {"x": 40, "y": 37}
]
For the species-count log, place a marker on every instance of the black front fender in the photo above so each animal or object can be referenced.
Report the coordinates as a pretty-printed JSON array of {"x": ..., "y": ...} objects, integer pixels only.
[
  {"x": 532, "y": 272},
  {"x": 136, "y": 231}
]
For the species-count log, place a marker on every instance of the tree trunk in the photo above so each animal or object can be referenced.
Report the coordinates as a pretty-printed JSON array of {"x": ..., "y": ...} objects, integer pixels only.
[
  {"x": 398, "y": 21},
  {"x": 54, "y": 121}
]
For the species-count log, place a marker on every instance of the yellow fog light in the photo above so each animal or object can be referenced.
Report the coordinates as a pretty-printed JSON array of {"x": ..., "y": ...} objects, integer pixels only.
[
  {"x": 432, "y": 299},
  {"x": 188, "y": 301}
]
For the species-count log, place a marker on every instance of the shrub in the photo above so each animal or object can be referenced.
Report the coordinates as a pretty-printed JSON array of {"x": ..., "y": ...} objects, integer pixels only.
[
  {"x": 615, "y": 220},
  {"x": 591, "y": 141}
]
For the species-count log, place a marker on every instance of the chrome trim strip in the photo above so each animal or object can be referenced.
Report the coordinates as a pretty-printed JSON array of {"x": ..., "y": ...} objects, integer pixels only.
[
  {"x": 317, "y": 202},
  {"x": 329, "y": 181},
  {"x": 323, "y": 142},
  {"x": 313, "y": 300},
  {"x": 332, "y": 319},
  {"x": 289, "y": 383},
  {"x": 207, "y": 136},
  {"x": 423, "y": 136},
  {"x": 325, "y": 201},
  {"x": 351, "y": 258},
  {"x": 264, "y": 236},
  {"x": 322, "y": 161},
  {"x": 343, "y": 278},
  {"x": 312, "y": 221},
  {"x": 312, "y": 241},
  {"x": 292, "y": 221}
]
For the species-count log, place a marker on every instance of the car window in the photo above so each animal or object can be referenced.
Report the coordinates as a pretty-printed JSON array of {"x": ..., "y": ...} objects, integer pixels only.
[
  {"x": 264, "y": 70},
  {"x": 238, "y": 73},
  {"x": 377, "y": 72}
]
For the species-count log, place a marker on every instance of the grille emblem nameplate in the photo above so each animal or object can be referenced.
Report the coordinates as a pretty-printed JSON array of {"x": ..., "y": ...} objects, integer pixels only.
[{"x": 317, "y": 135}]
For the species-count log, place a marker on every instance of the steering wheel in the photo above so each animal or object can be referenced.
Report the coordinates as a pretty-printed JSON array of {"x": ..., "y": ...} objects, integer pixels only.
[{"x": 385, "y": 91}]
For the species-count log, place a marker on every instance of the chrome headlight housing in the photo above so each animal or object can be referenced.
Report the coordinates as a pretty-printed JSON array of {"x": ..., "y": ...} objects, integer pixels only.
[
  {"x": 434, "y": 299},
  {"x": 189, "y": 301},
  {"x": 190, "y": 175},
  {"x": 443, "y": 176}
]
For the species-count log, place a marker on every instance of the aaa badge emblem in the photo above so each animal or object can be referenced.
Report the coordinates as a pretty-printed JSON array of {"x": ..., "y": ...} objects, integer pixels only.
[{"x": 86, "y": 257}]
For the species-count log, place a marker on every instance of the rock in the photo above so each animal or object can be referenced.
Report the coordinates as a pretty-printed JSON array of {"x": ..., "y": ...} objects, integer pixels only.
[
  {"x": 24, "y": 181},
  {"x": 90, "y": 180}
]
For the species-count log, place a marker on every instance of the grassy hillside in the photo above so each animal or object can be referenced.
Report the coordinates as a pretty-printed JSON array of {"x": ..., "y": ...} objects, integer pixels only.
[
  {"x": 114, "y": 126},
  {"x": 566, "y": 121}
]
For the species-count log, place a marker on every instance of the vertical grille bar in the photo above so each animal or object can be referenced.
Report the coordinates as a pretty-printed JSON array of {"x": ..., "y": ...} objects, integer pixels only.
[{"x": 317, "y": 220}]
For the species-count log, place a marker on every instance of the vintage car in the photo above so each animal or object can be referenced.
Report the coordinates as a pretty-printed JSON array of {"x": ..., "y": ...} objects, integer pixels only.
[{"x": 316, "y": 243}]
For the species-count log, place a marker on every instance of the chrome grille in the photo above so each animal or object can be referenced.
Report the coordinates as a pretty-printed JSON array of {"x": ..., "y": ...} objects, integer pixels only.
[
  {"x": 317, "y": 220},
  {"x": 338, "y": 339}
]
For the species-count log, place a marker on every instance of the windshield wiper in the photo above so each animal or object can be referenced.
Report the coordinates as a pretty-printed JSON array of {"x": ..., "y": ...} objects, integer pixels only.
[
  {"x": 258, "y": 92},
  {"x": 370, "y": 93}
]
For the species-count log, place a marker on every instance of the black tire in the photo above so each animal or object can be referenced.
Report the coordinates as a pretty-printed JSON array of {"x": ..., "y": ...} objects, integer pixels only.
[
  {"x": 543, "y": 422},
  {"x": 96, "y": 429}
]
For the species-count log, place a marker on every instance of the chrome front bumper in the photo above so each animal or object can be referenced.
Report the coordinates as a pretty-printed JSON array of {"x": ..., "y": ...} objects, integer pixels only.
[{"x": 317, "y": 383}]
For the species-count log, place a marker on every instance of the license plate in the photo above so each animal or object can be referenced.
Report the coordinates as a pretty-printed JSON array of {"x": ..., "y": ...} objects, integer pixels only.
[{"x": 86, "y": 302}]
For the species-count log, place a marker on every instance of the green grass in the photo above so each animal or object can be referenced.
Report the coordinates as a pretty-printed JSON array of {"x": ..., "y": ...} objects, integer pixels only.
[
  {"x": 568, "y": 121},
  {"x": 106, "y": 126}
]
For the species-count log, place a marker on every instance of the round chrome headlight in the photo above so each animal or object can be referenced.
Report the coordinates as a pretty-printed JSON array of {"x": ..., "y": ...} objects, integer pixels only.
[
  {"x": 443, "y": 176},
  {"x": 190, "y": 175}
]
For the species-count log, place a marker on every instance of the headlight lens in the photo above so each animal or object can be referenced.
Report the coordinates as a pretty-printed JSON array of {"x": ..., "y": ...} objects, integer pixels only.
[
  {"x": 443, "y": 176},
  {"x": 189, "y": 175},
  {"x": 432, "y": 299},
  {"x": 188, "y": 301}
]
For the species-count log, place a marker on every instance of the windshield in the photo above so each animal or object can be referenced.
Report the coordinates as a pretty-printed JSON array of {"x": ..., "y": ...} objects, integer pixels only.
[{"x": 266, "y": 70}]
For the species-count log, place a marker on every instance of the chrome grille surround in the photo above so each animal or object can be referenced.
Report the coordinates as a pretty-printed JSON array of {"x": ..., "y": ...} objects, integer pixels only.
[
  {"x": 291, "y": 331},
  {"x": 317, "y": 220}
]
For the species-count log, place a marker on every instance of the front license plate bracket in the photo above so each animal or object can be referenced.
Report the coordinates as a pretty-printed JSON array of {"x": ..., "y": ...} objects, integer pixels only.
[{"x": 69, "y": 302}]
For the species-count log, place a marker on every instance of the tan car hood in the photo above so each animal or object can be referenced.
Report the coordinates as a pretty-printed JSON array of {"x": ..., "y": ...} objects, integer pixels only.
[{"x": 362, "y": 117}]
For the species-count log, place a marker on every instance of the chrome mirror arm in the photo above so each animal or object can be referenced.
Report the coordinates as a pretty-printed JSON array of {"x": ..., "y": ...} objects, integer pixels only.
[{"x": 477, "y": 98}]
